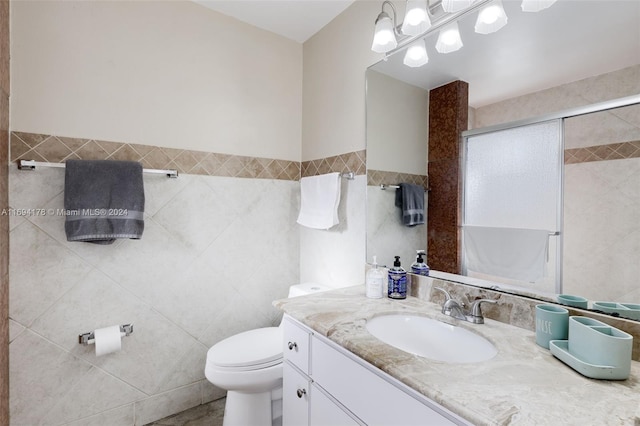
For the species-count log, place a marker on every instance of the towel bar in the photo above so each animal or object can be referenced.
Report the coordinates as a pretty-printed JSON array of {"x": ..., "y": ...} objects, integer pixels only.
[
  {"x": 89, "y": 338},
  {"x": 31, "y": 165},
  {"x": 348, "y": 175},
  {"x": 384, "y": 187}
]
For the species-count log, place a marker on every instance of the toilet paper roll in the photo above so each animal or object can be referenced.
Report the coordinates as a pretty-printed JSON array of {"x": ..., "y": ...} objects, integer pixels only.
[{"x": 107, "y": 340}]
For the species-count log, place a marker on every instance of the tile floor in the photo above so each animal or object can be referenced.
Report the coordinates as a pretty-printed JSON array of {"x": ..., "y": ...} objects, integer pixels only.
[{"x": 210, "y": 414}]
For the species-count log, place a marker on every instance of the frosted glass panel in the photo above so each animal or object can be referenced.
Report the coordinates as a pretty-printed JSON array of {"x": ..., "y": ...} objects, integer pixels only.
[{"x": 512, "y": 177}]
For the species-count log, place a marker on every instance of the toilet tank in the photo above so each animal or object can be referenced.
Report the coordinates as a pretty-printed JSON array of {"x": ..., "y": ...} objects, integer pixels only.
[{"x": 306, "y": 288}]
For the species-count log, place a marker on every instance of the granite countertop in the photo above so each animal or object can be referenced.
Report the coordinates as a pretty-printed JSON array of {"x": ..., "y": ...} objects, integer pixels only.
[{"x": 524, "y": 384}]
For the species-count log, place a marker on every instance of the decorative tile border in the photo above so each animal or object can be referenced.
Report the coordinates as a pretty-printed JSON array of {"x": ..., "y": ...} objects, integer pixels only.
[
  {"x": 380, "y": 177},
  {"x": 58, "y": 149},
  {"x": 615, "y": 151},
  {"x": 350, "y": 162}
]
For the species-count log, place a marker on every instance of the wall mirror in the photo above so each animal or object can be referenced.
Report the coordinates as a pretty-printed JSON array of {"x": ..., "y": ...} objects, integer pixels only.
[{"x": 570, "y": 55}]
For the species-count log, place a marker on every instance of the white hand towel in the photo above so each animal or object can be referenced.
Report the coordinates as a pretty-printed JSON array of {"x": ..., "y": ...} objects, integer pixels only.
[
  {"x": 319, "y": 201},
  {"x": 519, "y": 254}
]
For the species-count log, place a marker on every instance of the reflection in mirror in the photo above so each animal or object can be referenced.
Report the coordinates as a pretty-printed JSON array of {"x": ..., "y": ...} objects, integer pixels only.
[
  {"x": 602, "y": 205},
  {"x": 397, "y": 128},
  {"x": 516, "y": 74}
]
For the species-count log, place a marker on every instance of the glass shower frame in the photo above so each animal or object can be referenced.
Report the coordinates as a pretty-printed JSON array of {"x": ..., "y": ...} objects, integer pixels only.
[{"x": 560, "y": 116}]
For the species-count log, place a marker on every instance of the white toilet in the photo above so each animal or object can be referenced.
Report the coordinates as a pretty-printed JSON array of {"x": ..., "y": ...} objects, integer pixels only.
[{"x": 248, "y": 366}]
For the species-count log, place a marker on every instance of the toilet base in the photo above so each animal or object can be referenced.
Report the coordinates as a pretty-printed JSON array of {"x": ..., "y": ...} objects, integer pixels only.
[{"x": 261, "y": 412}]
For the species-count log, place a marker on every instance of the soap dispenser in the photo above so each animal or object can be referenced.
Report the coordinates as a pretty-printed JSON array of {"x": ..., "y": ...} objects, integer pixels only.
[
  {"x": 419, "y": 267},
  {"x": 374, "y": 281},
  {"x": 397, "y": 281}
]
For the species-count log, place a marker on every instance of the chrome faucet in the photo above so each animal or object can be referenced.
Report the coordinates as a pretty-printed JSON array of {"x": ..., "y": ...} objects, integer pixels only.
[{"x": 453, "y": 309}]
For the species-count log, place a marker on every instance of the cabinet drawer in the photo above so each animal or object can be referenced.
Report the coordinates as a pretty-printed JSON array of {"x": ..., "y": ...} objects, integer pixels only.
[
  {"x": 367, "y": 395},
  {"x": 296, "y": 345},
  {"x": 296, "y": 388},
  {"x": 324, "y": 411}
]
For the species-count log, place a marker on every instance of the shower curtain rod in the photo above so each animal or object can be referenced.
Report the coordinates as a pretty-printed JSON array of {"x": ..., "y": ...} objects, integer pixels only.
[{"x": 31, "y": 165}]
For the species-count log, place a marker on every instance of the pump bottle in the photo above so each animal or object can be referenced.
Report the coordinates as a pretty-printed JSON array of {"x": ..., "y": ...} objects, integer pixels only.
[
  {"x": 374, "y": 281},
  {"x": 397, "y": 281},
  {"x": 419, "y": 267}
]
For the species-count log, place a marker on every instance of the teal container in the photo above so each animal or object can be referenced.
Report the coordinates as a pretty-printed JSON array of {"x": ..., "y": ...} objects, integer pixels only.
[{"x": 552, "y": 323}]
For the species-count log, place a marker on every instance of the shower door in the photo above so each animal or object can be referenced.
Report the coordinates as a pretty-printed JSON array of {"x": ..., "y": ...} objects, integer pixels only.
[{"x": 512, "y": 203}]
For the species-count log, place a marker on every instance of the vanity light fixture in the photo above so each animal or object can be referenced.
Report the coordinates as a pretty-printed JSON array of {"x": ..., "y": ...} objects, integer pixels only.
[
  {"x": 416, "y": 19},
  {"x": 416, "y": 55},
  {"x": 423, "y": 17},
  {"x": 455, "y": 5},
  {"x": 491, "y": 18},
  {"x": 536, "y": 5},
  {"x": 384, "y": 36},
  {"x": 449, "y": 39}
]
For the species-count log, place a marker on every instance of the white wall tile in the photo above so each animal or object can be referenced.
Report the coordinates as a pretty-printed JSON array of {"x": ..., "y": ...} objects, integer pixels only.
[
  {"x": 335, "y": 257},
  {"x": 32, "y": 189},
  {"x": 121, "y": 416},
  {"x": 97, "y": 392},
  {"x": 211, "y": 392},
  {"x": 40, "y": 375},
  {"x": 14, "y": 330},
  {"x": 158, "y": 190},
  {"x": 182, "y": 292},
  {"x": 147, "y": 355},
  {"x": 41, "y": 271},
  {"x": 190, "y": 368},
  {"x": 165, "y": 404},
  {"x": 196, "y": 216}
]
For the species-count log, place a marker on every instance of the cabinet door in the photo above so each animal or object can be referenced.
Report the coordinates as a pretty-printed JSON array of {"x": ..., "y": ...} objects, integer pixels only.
[
  {"x": 295, "y": 396},
  {"x": 325, "y": 412},
  {"x": 366, "y": 394},
  {"x": 296, "y": 345}
]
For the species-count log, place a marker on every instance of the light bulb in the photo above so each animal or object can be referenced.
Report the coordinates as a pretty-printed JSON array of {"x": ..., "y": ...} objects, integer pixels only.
[
  {"x": 416, "y": 54},
  {"x": 416, "y": 20},
  {"x": 384, "y": 38},
  {"x": 491, "y": 18},
  {"x": 449, "y": 39}
]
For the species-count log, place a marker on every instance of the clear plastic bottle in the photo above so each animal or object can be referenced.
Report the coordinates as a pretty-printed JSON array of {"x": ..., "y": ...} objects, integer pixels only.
[
  {"x": 397, "y": 281},
  {"x": 374, "y": 281},
  {"x": 419, "y": 267}
]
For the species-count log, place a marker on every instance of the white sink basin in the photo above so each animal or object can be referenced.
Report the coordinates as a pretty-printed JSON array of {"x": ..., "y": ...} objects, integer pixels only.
[{"x": 431, "y": 338}]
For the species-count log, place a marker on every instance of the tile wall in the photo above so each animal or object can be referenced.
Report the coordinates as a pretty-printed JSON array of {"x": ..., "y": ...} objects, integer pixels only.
[
  {"x": 386, "y": 236},
  {"x": 216, "y": 250},
  {"x": 334, "y": 257}
]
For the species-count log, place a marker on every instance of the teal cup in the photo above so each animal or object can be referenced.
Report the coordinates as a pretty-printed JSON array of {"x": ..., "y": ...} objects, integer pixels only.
[{"x": 552, "y": 323}]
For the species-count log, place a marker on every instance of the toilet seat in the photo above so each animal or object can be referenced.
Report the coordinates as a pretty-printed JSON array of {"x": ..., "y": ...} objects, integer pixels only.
[{"x": 250, "y": 350}]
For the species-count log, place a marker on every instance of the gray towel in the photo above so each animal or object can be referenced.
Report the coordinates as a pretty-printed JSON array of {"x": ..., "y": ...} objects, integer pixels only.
[
  {"x": 104, "y": 200},
  {"x": 410, "y": 199}
]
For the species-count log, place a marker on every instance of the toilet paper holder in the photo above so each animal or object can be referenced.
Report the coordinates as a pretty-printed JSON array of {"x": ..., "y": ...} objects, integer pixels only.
[{"x": 89, "y": 338}]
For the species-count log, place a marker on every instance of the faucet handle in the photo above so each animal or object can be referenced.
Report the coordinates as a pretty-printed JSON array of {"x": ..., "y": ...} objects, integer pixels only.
[
  {"x": 447, "y": 296},
  {"x": 476, "y": 310}
]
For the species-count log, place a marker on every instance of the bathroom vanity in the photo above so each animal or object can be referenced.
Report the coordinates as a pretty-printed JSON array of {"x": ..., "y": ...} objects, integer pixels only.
[
  {"x": 323, "y": 384},
  {"x": 337, "y": 373}
]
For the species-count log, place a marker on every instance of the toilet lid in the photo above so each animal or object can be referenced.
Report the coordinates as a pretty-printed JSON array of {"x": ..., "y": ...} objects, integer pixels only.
[{"x": 250, "y": 348}]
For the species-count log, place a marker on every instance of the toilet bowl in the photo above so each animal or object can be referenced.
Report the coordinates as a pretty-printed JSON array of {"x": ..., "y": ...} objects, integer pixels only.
[{"x": 248, "y": 366}]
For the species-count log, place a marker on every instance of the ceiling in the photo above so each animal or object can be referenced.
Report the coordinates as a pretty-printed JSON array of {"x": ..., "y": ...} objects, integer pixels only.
[
  {"x": 297, "y": 20},
  {"x": 570, "y": 41},
  {"x": 574, "y": 39}
]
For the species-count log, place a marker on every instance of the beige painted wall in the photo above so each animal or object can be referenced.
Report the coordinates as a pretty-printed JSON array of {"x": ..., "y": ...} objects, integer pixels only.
[
  {"x": 397, "y": 125},
  {"x": 335, "y": 61},
  {"x": 171, "y": 74}
]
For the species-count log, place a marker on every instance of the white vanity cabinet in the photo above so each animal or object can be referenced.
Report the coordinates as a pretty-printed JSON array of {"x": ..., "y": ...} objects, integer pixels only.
[{"x": 324, "y": 384}]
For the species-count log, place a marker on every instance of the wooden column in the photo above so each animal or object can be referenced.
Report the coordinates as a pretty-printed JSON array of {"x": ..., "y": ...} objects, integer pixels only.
[
  {"x": 448, "y": 118},
  {"x": 4, "y": 220}
]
